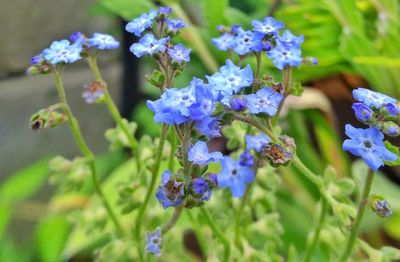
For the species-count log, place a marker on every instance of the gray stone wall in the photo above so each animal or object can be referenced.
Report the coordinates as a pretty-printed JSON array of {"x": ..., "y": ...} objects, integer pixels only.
[{"x": 27, "y": 27}]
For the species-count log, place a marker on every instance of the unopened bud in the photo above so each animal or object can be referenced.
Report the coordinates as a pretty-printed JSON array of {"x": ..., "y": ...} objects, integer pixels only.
[
  {"x": 277, "y": 155},
  {"x": 390, "y": 128},
  {"x": 380, "y": 206},
  {"x": 46, "y": 118}
]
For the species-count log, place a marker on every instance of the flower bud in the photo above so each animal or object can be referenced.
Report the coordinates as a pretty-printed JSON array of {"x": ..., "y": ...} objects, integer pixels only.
[
  {"x": 38, "y": 70},
  {"x": 277, "y": 155},
  {"x": 239, "y": 103},
  {"x": 390, "y": 128},
  {"x": 380, "y": 206},
  {"x": 390, "y": 110},
  {"x": 362, "y": 112},
  {"x": 46, "y": 118}
]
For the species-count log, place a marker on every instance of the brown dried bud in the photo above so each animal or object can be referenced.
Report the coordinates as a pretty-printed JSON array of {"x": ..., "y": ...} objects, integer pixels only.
[
  {"x": 288, "y": 142},
  {"x": 277, "y": 154}
]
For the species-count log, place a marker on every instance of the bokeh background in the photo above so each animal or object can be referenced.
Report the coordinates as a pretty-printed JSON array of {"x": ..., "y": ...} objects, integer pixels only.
[{"x": 356, "y": 43}]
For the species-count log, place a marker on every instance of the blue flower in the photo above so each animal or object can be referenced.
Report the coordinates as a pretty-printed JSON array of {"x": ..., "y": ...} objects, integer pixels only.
[
  {"x": 103, "y": 41},
  {"x": 235, "y": 176},
  {"x": 62, "y": 52},
  {"x": 209, "y": 127},
  {"x": 175, "y": 24},
  {"x": 224, "y": 42},
  {"x": 36, "y": 59},
  {"x": 390, "y": 128},
  {"x": 144, "y": 21},
  {"x": 93, "y": 92},
  {"x": 164, "y": 10},
  {"x": 247, "y": 41},
  {"x": 371, "y": 98},
  {"x": 368, "y": 144},
  {"x": 230, "y": 80},
  {"x": 238, "y": 103},
  {"x": 170, "y": 192},
  {"x": 149, "y": 45},
  {"x": 153, "y": 242},
  {"x": 246, "y": 159},
  {"x": 205, "y": 101},
  {"x": 290, "y": 39},
  {"x": 77, "y": 36},
  {"x": 267, "y": 26},
  {"x": 362, "y": 112},
  {"x": 173, "y": 106},
  {"x": 392, "y": 109},
  {"x": 285, "y": 55},
  {"x": 179, "y": 53},
  {"x": 200, "y": 185},
  {"x": 199, "y": 155},
  {"x": 264, "y": 101},
  {"x": 257, "y": 142}
]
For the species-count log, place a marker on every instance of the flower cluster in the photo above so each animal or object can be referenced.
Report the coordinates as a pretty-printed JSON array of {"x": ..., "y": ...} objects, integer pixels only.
[
  {"x": 265, "y": 36},
  {"x": 381, "y": 113}
]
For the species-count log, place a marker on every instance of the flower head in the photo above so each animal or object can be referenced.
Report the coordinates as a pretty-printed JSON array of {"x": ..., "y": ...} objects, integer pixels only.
[
  {"x": 368, "y": 144},
  {"x": 267, "y": 26},
  {"x": 199, "y": 154},
  {"x": 144, "y": 21},
  {"x": 371, "y": 98},
  {"x": 264, "y": 101},
  {"x": 103, "y": 41},
  {"x": 235, "y": 176},
  {"x": 362, "y": 112},
  {"x": 180, "y": 53},
  {"x": 175, "y": 24},
  {"x": 224, "y": 42},
  {"x": 205, "y": 101},
  {"x": 153, "y": 242},
  {"x": 149, "y": 45},
  {"x": 170, "y": 192},
  {"x": 62, "y": 52},
  {"x": 247, "y": 41},
  {"x": 289, "y": 39},
  {"x": 285, "y": 55},
  {"x": 257, "y": 142},
  {"x": 200, "y": 185},
  {"x": 93, "y": 92}
]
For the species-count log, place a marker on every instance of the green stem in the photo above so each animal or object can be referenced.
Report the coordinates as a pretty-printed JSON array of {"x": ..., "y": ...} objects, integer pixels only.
[
  {"x": 360, "y": 213},
  {"x": 217, "y": 232},
  {"x": 310, "y": 250},
  {"x": 149, "y": 193},
  {"x": 172, "y": 221},
  {"x": 92, "y": 60},
  {"x": 287, "y": 77},
  {"x": 76, "y": 132}
]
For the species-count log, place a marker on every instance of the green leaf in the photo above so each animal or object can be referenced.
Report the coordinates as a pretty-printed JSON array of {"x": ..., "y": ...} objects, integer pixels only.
[
  {"x": 128, "y": 9},
  {"x": 296, "y": 89},
  {"x": 393, "y": 149},
  {"x": 216, "y": 15}
]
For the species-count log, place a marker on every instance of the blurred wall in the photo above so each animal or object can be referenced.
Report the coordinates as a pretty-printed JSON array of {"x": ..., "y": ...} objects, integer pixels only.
[{"x": 26, "y": 28}]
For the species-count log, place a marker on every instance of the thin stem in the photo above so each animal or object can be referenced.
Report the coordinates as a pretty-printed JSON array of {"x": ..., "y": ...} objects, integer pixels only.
[
  {"x": 149, "y": 193},
  {"x": 172, "y": 221},
  {"x": 174, "y": 144},
  {"x": 258, "y": 70},
  {"x": 287, "y": 77},
  {"x": 360, "y": 213},
  {"x": 76, "y": 132},
  {"x": 92, "y": 61},
  {"x": 217, "y": 232},
  {"x": 311, "y": 247}
]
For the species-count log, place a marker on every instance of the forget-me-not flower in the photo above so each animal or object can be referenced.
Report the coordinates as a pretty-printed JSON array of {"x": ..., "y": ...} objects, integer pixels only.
[
  {"x": 199, "y": 154},
  {"x": 62, "y": 52},
  {"x": 144, "y": 21},
  {"x": 103, "y": 41},
  {"x": 371, "y": 98},
  {"x": 179, "y": 53},
  {"x": 153, "y": 242},
  {"x": 175, "y": 24},
  {"x": 247, "y": 41},
  {"x": 224, "y": 42},
  {"x": 257, "y": 142},
  {"x": 149, "y": 45},
  {"x": 362, "y": 112},
  {"x": 267, "y": 26},
  {"x": 264, "y": 101},
  {"x": 170, "y": 192},
  {"x": 285, "y": 55}
]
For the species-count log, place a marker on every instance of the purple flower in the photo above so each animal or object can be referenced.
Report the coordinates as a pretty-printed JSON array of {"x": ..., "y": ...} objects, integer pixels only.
[
  {"x": 62, "y": 52},
  {"x": 149, "y": 45},
  {"x": 93, "y": 92},
  {"x": 230, "y": 79},
  {"x": 103, "y": 41},
  {"x": 144, "y": 21},
  {"x": 392, "y": 109},
  {"x": 200, "y": 185},
  {"x": 180, "y": 53},
  {"x": 173, "y": 106},
  {"x": 257, "y": 142},
  {"x": 199, "y": 154},
  {"x": 285, "y": 55},
  {"x": 382, "y": 208},
  {"x": 371, "y": 98},
  {"x": 247, "y": 41},
  {"x": 170, "y": 192},
  {"x": 267, "y": 26},
  {"x": 362, "y": 112},
  {"x": 368, "y": 144},
  {"x": 246, "y": 159},
  {"x": 224, "y": 42},
  {"x": 175, "y": 24},
  {"x": 36, "y": 59},
  {"x": 153, "y": 242},
  {"x": 264, "y": 101},
  {"x": 164, "y": 10},
  {"x": 235, "y": 176},
  {"x": 239, "y": 103}
]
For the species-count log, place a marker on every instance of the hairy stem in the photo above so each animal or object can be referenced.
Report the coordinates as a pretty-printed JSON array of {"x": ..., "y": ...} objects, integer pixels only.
[
  {"x": 360, "y": 213},
  {"x": 172, "y": 221},
  {"x": 310, "y": 250},
  {"x": 76, "y": 132},
  {"x": 217, "y": 232}
]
